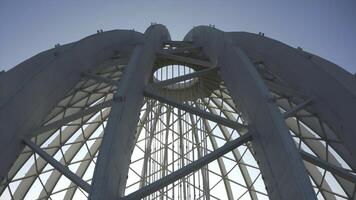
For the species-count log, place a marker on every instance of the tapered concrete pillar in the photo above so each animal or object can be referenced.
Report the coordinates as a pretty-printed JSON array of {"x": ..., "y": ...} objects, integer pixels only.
[
  {"x": 332, "y": 88},
  {"x": 279, "y": 160},
  {"x": 111, "y": 170}
]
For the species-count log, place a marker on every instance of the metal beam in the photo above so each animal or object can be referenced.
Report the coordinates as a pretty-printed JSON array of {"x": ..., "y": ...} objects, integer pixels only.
[
  {"x": 181, "y": 151},
  {"x": 329, "y": 167},
  {"x": 165, "y": 154},
  {"x": 183, "y": 59},
  {"x": 294, "y": 110},
  {"x": 148, "y": 149},
  {"x": 143, "y": 119},
  {"x": 200, "y": 155},
  {"x": 241, "y": 164},
  {"x": 70, "y": 118},
  {"x": 58, "y": 166},
  {"x": 196, "y": 111},
  {"x": 221, "y": 163},
  {"x": 99, "y": 79},
  {"x": 186, "y": 77},
  {"x": 192, "y": 167}
]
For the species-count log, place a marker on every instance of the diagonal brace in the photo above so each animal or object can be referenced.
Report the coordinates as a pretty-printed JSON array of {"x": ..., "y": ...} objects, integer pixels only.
[
  {"x": 196, "y": 111},
  {"x": 99, "y": 78},
  {"x": 58, "y": 166},
  {"x": 327, "y": 166},
  {"x": 70, "y": 118},
  {"x": 283, "y": 89},
  {"x": 192, "y": 167},
  {"x": 297, "y": 108}
]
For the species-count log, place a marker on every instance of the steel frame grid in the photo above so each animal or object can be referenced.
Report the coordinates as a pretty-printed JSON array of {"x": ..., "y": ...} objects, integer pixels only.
[{"x": 338, "y": 171}]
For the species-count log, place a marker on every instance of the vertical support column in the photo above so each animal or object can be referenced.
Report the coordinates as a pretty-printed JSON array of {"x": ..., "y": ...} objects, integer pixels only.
[
  {"x": 148, "y": 149},
  {"x": 165, "y": 154},
  {"x": 181, "y": 152},
  {"x": 199, "y": 150},
  {"x": 281, "y": 165},
  {"x": 111, "y": 171}
]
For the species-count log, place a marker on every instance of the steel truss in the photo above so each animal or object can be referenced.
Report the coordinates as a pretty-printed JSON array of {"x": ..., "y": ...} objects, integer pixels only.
[{"x": 125, "y": 115}]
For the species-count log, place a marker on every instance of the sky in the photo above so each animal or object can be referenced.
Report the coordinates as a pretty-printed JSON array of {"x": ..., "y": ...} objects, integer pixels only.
[{"x": 324, "y": 27}]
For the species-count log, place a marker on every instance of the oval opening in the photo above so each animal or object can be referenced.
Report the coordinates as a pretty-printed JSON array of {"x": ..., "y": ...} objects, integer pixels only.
[{"x": 173, "y": 71}]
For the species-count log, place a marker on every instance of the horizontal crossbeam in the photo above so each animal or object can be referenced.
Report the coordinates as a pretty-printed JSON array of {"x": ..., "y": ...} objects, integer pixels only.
[
  {"x": 283, "y": 89},
  {"x": 58, "y": 166},
  {"x": 181, "y": 49},
  {"x": 196, "y": 111},
  {"x": 329, "y": 167},
  {"x": 111, "y": 63},
  {"x": 186, "y": 77},
  {"x": 189, "y": 168},
  {"x": 178, "y": 43},
  {"x": 293, "y": 111},
  {"x": 183, "y": 59},
  {"x": 70, "y": 118},
  {"x": 99, "y": 79}
]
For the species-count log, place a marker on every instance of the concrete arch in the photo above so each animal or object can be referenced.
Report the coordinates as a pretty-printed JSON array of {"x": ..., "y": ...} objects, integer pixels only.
[
  {"x": 332, "y": 88},
  {"x": 280, "y": 162},
  {"x": 30, "y": 90}
]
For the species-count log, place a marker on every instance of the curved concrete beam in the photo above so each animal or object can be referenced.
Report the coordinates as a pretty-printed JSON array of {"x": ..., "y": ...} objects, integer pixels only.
[
  {"x": 279, "y": 160},
  {"x": 332, "y": 88},
  {"x": 110, "y": 175},
  {"x": 29, "y": 91}
]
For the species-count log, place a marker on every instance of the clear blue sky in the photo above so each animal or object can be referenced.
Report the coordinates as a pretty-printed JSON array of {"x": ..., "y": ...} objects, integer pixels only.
[{"x": 324, "y": 27}]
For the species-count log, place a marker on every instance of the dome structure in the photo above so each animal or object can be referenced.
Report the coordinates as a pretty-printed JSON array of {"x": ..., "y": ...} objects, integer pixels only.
[{"x": 220, "y": 115}]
